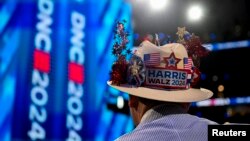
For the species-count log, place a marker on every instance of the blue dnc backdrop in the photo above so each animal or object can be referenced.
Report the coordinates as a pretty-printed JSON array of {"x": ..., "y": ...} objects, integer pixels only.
[{"x": 55, "y": 59}]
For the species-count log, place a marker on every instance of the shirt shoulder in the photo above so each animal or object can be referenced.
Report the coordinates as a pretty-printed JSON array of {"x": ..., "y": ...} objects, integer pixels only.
[{"x": 173, "y": 127}]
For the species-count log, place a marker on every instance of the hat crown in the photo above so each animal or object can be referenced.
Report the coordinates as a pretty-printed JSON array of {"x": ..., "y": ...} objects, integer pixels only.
[{"x": 165, "y": 51}]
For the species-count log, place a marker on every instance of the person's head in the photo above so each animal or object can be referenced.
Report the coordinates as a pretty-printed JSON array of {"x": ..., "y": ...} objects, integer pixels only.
[{"x": 138, "y": 106}]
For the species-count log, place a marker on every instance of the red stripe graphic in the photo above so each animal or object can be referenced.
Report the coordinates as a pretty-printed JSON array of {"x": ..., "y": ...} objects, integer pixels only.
[
  {"x": 76, "y": 72},
  {"x": 41, "y": 61}
]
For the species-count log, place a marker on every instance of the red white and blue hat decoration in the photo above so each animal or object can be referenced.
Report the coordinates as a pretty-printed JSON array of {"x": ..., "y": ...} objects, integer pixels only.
[{"x": 165, "y": 73}]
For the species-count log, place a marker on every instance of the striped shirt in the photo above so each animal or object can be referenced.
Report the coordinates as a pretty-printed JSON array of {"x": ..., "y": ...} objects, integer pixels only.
[{"x": 169, "y": 123}]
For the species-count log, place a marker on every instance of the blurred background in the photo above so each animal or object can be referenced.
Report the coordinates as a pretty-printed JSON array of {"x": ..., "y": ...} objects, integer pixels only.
[{"x": 55, "y": 59}]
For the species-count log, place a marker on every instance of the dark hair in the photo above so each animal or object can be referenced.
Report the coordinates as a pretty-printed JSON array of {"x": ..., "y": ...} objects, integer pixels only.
[{"x": 152, "y": 103}]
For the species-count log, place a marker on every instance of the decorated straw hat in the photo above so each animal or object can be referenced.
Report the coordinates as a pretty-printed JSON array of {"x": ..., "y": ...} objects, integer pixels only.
[{"x": 164, "y": 73}]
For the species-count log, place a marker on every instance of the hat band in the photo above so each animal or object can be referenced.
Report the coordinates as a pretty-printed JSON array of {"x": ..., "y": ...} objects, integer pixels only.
[{"x": 168, "y": 78}]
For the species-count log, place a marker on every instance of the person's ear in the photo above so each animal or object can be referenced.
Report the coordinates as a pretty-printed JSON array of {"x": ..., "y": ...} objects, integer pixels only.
[
  {"x": 186, "y": 106},
  {"x": 133, "y": 101}
]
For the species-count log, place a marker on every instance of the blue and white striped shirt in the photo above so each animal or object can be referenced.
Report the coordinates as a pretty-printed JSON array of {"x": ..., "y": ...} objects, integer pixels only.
[{"x": 172, "y": 123}]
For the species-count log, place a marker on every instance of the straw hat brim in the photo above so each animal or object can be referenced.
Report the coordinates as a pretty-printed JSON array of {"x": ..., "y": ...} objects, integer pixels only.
[{"x": 189, "y": 95}]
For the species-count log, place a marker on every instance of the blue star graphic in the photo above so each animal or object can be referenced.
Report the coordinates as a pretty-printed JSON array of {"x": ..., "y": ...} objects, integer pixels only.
[{"x": 171, "y": 61}]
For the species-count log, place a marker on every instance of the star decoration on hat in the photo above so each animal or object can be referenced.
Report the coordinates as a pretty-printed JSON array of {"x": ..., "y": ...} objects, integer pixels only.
[
  {"x": 135, "y": 68},
  {"x": 171, "y": 61},
  {"x": 181, "y": 33}
]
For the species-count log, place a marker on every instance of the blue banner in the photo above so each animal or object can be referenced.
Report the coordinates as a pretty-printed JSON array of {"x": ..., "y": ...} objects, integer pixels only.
[
  {"x": 55, "y": 61},
  {"x": 50, "y": 87}
]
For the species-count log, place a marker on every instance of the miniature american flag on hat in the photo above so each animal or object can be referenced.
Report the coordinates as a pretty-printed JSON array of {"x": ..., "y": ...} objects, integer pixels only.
[
  {"x": 188, "y": 63},
  {"x": 152, "y": 59}
]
